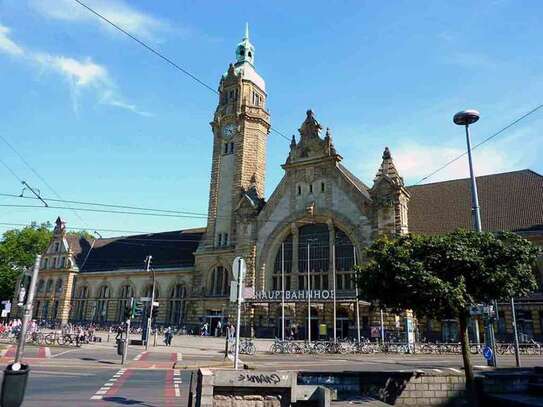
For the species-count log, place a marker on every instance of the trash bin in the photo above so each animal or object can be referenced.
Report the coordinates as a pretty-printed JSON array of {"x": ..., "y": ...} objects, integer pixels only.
[
  {"x": 14, "y": 386},
  {"x": 120, "y": 346}
]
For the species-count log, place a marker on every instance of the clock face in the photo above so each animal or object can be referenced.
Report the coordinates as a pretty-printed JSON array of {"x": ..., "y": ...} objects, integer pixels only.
[{"x": 228, "y": 130}]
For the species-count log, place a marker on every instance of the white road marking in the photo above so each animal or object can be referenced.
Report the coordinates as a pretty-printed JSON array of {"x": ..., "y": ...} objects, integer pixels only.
[
  {"x": 47, "y": 352},
  {"x": 107, "y": 386},
  {"x": 61, "y": 353},
  {"x": 179, "y": 356},
  {"x": 177, "y": 392},
  {"x": 139, "y": 355}
]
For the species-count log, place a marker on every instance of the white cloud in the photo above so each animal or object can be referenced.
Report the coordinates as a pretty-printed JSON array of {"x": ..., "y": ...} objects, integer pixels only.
[
  {"x": 117, "y": 11},
  {"x": 415, "y": 161},
  {"x": 80, "y": 74},
  {"x": 7, "y": 45}
]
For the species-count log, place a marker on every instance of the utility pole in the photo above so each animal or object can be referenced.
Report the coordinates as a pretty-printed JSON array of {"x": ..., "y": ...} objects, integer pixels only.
[
  {"x": 27, "y": 315},
  {"x": 150, "y": 316},
  {"x": 517, "y": 356}
]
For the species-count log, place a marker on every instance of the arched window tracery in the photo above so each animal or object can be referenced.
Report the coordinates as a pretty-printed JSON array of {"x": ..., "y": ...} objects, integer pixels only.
[{"x": 219, "y": 284}]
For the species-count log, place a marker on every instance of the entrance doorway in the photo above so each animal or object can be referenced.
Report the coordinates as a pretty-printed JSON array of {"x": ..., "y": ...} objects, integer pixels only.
[
  {"x": 342, "y": 326},
  {"x": 288, "y": 323},
  {"x": 213, "y": 318}
]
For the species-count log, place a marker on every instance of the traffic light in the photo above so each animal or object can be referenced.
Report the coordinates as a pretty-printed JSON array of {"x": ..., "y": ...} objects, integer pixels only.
[
  {"x": 155, "y": 312},
  {"x": 137, "y": 308},
  {"x": 127, "y": 312}
]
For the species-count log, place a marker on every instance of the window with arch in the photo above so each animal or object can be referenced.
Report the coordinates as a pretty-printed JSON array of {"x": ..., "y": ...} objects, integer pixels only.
[
  {"x": 102, "y": 304},
  {"x": 58, "y": 286},
  {"x": 316, "y": 238},
  {"x": 176, "y": 306},
  {"x": 219, "y": 284},
  {"x": 41, "y": 285},
  {"x": 126, "y": 292},
  {"x": 81, "y": 303},
  {"x": 49, "y": 286},
  {"x": 149, "y": 290}
]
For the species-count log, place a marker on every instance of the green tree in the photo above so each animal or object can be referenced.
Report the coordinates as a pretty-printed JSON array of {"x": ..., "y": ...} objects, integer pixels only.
[
  {"x": 18, "y": 250},
  {"x": 441, "y": 276}
]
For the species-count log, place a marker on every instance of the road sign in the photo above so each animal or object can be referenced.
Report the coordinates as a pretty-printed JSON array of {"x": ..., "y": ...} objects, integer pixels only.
[
  {"x": 234, "y": 291},
  {"x": 239, "y": 268},
  {"x": 156, "y": 304},
  {"x": 487, "y": 352}
]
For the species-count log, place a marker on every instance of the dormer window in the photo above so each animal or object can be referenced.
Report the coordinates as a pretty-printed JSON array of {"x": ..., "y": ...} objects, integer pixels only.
[{"x": 57, "y": 247}]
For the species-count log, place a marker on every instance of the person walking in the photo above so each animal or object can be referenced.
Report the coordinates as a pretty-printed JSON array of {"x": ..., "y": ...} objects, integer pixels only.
[{"x": 168, "y": 336}]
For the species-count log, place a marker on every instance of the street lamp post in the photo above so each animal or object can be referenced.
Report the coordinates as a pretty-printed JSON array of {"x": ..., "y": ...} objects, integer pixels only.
[{"x": 465, "y": 118}]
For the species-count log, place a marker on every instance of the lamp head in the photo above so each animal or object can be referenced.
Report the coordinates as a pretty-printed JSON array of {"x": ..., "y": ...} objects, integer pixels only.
[{"x": 466, "y": 117}]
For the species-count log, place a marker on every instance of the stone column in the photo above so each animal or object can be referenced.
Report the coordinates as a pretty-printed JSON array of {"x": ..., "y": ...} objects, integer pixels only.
[{"x": 295, "y": 247}]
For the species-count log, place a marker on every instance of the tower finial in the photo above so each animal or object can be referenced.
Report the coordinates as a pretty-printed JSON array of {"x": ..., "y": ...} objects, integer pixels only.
[{"x": 246, "y": 37}]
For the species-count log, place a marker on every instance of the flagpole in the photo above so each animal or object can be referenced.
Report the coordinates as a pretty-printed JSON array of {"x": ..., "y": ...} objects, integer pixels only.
[
  {"x": 334, "y": 287},
  {"x": 357, "y": 303},
  {"x": 283, "y": 291}
]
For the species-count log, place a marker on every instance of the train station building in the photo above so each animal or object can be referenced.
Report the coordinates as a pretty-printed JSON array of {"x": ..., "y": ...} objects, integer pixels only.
[{"x": 316, "y": 222}]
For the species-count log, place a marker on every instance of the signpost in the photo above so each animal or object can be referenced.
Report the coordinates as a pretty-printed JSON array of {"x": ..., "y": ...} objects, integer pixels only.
[{"x": 239, "y": 269}]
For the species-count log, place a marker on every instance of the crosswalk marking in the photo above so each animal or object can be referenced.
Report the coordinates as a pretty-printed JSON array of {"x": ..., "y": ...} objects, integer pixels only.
[{"x": 108, "y": 385}]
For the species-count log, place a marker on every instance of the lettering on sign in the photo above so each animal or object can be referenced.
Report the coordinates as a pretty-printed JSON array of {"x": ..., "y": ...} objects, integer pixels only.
[
  {"x": 272, "y": 378},
  {"x": 294, "y": 295}
]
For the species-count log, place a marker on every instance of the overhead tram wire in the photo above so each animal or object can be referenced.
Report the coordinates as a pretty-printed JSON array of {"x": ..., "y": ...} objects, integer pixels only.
[
  {"x": 27, "y": 164},
  {"x": 514, "y": 122},
  {"x": 160, "y": 55}
]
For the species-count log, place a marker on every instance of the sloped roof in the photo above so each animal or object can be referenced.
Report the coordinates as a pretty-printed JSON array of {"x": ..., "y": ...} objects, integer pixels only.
[
  {"x": 509, "y": 201},
  {"x": 355, "y": 180},
  {"x": 169, "y": 250}
]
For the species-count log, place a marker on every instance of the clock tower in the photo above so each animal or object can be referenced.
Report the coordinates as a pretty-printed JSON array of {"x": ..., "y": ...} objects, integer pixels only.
[{"x": 240, "y": 128}]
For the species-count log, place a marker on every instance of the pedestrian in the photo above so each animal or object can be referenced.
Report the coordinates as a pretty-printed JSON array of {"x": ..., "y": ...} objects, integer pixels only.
[
  {"x": 205, "y": 329},
  {"x": 218, "y": 329},
  {"x": 168, "y": 334}
]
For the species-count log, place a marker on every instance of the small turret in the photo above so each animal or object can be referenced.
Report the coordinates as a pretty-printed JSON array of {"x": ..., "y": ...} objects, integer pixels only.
[
  {"x": 245, "y": 51},
  {"x": 390, "y": 198}
]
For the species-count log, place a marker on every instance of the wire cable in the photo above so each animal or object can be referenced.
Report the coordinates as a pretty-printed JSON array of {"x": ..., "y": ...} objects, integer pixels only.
[
  {"x": 160, "y": 55},
  {"x": 514, "y": 122}
]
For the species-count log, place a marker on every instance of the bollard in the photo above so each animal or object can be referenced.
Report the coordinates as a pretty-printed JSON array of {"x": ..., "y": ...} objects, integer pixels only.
[{"x": 120, "y": 346}]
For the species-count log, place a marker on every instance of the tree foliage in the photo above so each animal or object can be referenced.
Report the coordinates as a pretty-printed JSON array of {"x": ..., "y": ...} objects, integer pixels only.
[
  {"x": 441, "y": 276},
  {"x": 18, "y": 250}
]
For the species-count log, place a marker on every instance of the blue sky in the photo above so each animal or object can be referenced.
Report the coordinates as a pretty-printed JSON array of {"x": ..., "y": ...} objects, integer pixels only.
[{"x": 101, "y": 119}]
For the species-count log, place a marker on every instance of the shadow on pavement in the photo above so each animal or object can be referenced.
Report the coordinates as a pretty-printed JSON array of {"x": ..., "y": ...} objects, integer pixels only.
[{"x": 126, "y": 402}]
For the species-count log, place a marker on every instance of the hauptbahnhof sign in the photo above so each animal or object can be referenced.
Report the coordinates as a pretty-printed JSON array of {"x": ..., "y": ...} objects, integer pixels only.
[{"x": 300, "y": 295}]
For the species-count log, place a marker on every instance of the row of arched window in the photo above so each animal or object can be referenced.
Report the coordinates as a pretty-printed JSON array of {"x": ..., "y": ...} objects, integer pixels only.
[
  {"x": 104, "y": 301},
  {"x": 42, "y": 285}
]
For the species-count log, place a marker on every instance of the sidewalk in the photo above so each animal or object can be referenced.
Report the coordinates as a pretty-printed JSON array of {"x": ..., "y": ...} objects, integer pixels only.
[{"x": 189, "y": 344}]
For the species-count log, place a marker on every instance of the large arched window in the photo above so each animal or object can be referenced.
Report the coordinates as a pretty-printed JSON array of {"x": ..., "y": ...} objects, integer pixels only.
[
  {"x": 314, "y": 253},
  {"x": 344, "y": 261},
  {"x": 126, "y": 292},
  {"x": 176, "y": 304},
  {"x": 81, "y": 303},
  {"x": 219, "y": 284},
  {"x": 102, "y": 304},
  {"x": 316, "y": 238}
]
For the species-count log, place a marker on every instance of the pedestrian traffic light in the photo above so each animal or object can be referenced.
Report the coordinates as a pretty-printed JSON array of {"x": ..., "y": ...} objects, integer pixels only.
[
  {"x": 155, "y": 312},
  {"x": 137, "y": 308}
]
